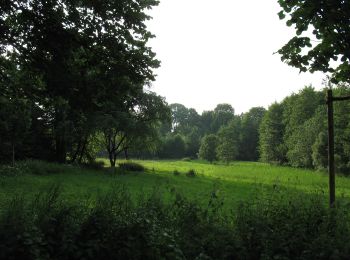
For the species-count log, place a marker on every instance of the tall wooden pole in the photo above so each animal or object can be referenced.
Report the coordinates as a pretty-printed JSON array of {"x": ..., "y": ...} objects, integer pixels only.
[{"x": 331, "y": 149}]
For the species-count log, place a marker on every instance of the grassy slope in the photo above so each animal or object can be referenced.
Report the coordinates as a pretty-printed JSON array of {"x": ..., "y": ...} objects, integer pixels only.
[{"x": 239, "y": 181}]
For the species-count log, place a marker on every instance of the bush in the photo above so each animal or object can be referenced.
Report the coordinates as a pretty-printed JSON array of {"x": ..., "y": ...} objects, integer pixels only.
[
  {"x": 191, "y": 173},
  {"x": 176, "y": 172},
  {"x": 94, "y": 165},
  {"x": 37, "y": 167},
  {"x": 132, "y": 167},
  {"x": 186, "y": 159},
  {"x": 7, "y": 170}
]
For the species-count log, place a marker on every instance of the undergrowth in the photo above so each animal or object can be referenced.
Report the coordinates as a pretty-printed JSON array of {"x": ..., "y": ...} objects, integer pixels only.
[{"x": 274, "y": 226}]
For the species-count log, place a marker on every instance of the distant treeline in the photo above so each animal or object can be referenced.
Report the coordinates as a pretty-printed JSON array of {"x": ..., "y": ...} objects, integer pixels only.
[
  {"x": 235, "y": 136},
  {"x": 292, "y": 132}
]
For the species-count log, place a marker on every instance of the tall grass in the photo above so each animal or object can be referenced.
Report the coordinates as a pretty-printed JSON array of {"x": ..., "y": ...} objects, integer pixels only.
[{"x": 114, "y": 226}]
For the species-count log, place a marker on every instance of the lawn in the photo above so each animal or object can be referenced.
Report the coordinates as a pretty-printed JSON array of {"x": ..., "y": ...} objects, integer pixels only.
[{"x": 239, "y": 181}]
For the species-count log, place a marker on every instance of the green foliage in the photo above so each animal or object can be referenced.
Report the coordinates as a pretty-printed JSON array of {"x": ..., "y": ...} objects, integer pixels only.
[
  {"x": 223, "y": 114},
  {"x": 94, "y": 165},
  {"x": 10, "y": 171},
  {"x": 320, "y": 151},
  {"x": 191, "y": 173},
  {"x": 293, "y": 132},
  {"x": 249, "y": 134},
  {"x": 278, "y": 226},
  {"x": 67, "y": 75},
  {"x": 228, "y": 146},
  {"x": 207, "y": 150},
  {"x": 301, "y": 141},
  {"x": 15, "y": 122},
  {"x": 271, "y": 146},
  {"x": 328, "y": 20},
  {"x": 176, "y": 172},
  {"x": 132, "y": 167},
  {"x": 285, "y": 226},
  {"x": 35, "y": 167},
  {"x": 173, "y": 147}
]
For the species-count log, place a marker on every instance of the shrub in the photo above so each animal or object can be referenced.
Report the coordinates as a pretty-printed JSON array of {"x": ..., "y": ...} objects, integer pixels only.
[
  {"x": 94, "y": 165},
  {"x": 7, "y": 170},
  {"x": 186, "y": 159},
  {"x": 176, "y": 172},
  {"x": 191, "y": 173},
  {"x": 41, "y": 167},
  {"x": 132, "y": 166}
]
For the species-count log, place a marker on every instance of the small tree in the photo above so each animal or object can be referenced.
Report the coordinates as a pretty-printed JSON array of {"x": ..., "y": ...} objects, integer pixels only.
[{"x": 207, "y": 150}]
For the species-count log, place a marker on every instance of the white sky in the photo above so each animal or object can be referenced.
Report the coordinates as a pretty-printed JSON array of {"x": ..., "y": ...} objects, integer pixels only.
[{"x": 222, "y": 52}]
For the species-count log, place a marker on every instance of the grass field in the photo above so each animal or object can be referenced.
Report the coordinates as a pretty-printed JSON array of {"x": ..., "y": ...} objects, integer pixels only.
[
  {"x": 240, "y": 181},
  {"x": 238, "y": 211}
]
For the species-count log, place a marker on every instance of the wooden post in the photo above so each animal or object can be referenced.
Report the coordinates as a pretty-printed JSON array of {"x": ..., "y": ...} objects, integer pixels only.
[{"x": 331, "y": 149}]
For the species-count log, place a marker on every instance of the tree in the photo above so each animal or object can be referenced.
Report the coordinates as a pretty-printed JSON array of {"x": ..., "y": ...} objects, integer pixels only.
[
  {"x": 320, "y": 151},
  {"x": 122, "y": 129},
  {"x": 179, "y": 115},
  {"x": 206, "y": 122},
  {"x": 174, "y": 147},
  {"x": 303, "y": 138},
  {"x": 192, "y": 141},
  {"x": 303, "y": 119},
  {"x": 87, "y": 55},
  {"x": 183, "y": 119},
  {"x": 223, "y": 114},
  {"x": 249, "y": 134},
  {"x": 228, "y": 146},
  {"x": 329, "y": 23},
  {"x": 207, "y": 150},
  {"x": 271, "y": 145}
]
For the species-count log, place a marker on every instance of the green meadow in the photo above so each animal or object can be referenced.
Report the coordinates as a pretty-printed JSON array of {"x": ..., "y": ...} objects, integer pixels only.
[{"x": 234, "y": 183}]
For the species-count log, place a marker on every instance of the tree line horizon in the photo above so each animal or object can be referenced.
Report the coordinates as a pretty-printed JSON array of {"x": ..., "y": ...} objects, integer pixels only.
[
  {"x": 74, "y": 77},
  {"x": 290, "y": 132}
]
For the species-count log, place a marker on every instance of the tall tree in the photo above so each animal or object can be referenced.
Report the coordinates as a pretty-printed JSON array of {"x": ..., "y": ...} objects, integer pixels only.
[
  {"x": 271, "y": 145},
  {"x": 223, "y": 114},
  {"x": 87, "y": 53},
  {"x": 228, "y": 146},
  {"x": 249, "y": 134}
]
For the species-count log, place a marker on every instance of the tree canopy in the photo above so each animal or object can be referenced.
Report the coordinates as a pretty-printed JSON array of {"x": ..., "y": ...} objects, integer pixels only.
[
  {"x": 71, "y": 61},
  {"x": 322, "y": 41}
]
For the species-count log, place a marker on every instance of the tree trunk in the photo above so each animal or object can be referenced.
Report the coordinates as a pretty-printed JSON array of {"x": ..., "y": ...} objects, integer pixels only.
[{"x": 112, "y": 159}]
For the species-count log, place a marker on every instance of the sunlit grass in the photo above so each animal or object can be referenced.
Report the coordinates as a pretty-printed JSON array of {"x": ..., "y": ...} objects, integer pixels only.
[{"x": 239, "y": 181}]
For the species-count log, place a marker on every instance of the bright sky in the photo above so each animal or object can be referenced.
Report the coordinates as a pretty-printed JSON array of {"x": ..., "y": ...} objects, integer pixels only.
[{"x": 222, "y": 52}]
